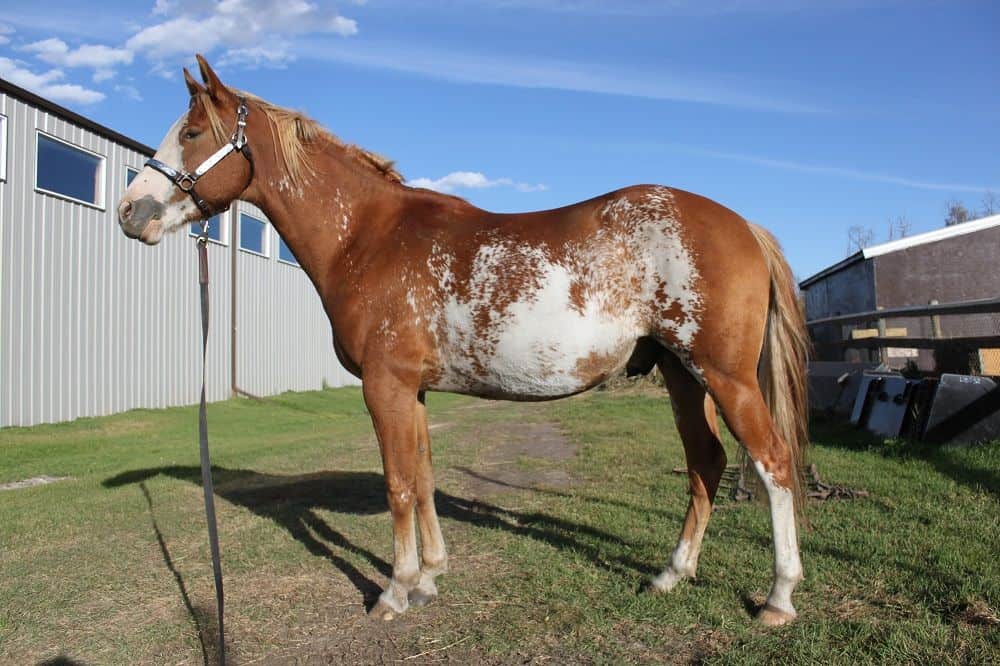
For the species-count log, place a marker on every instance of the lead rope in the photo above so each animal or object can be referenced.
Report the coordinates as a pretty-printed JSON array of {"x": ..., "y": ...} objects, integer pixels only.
[{"x": 206, "y": 461}]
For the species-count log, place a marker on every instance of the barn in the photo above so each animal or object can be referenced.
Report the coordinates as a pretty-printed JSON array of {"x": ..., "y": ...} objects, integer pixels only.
[
  {"x": 93, "y": 323},
  {"x": 954, "y": 264}
]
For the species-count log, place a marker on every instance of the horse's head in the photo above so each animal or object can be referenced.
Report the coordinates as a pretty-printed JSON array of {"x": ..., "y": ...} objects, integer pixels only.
[{"x": 196, "y": 171}]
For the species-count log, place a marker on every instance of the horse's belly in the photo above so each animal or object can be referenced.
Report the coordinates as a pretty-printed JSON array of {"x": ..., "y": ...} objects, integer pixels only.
[
  {"x": 563, "y": 367},
  {"x": 525, "y": 327},
  {"x": 540, "y": 359}
]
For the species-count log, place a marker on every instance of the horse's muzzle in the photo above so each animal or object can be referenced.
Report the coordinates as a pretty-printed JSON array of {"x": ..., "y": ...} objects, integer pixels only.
[{"x": 134, "y": 216}]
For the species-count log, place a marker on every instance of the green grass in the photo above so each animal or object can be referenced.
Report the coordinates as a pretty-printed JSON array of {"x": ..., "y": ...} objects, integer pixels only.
[{"x": 112, "y": 565}]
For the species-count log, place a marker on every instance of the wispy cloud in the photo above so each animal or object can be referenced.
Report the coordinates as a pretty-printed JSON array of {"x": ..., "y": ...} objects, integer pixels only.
[
  {"x": 47, "y": 84},
  {"x": 840, "y": 172},
  {"x": 186, "y": 26},
  {"x": 553, "y": 74},
  {"x": 472, "y": 180},
  {"x": 128, "y": 91},
  {"x": 98, "y": 57},
  {"x": 56, "y": 52},
  {"x": 257, "y": 57},
  {"x": 655, "y": 8},
  {"x": 171, "y": 33}
]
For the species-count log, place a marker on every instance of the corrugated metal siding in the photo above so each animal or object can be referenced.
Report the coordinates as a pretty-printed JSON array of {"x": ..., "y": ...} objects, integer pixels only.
[
  {"x": 273, "y": 330},
  {"x": 93, "y": 323}
]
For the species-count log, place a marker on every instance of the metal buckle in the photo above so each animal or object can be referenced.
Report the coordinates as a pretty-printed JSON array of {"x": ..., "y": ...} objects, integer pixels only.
[
  {"x": 203, "y": 236},
  {"x": 239, "y": 136},
  {"x": 186, "y": 182}
]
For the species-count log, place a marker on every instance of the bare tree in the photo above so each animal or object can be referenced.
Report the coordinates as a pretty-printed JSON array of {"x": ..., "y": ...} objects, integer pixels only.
[
  {"x": 903, "y": 226},
  {"x": 899, "y": 227},
  {"x": 858, "y": 238},
  {"x": 991, "y": 204},
  {"x": 957, "y": 213}
]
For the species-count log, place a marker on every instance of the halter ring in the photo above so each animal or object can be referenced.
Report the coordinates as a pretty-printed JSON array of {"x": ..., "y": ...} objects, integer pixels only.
[{"x": 186, "y": 182}]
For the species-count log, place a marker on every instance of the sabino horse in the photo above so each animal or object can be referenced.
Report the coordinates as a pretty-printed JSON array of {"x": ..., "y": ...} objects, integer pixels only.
[{"x": 426, "y": 292}]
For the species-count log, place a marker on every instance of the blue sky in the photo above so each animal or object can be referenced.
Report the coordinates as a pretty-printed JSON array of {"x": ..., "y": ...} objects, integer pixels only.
[{"x": 806, "y": 116}]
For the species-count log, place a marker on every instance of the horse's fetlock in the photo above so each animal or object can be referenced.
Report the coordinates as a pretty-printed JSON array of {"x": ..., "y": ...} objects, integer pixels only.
[
  {"x": 434, "y": 567},
  {"x": 406, "y": 579}
]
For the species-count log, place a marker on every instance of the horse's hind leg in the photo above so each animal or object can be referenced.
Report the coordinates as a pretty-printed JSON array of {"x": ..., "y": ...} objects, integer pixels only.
[
  {"x": 694, "y": 413},
  {"x": 433, "y": 556},
  {"x": 742, "y": 403}
]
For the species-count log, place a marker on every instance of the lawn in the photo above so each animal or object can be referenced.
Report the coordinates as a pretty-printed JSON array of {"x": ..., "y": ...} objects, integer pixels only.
[{"x": 555, "y": 515}]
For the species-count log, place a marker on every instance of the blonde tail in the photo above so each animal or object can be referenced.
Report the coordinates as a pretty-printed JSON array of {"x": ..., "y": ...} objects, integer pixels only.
[{"x": 782, "y": 367}]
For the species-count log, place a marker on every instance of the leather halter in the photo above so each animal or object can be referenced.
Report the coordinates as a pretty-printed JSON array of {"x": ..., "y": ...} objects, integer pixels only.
[{"x": 186, "y": 181}]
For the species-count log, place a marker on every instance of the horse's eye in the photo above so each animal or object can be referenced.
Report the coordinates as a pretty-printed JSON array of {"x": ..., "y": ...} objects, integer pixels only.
[{"x": 191, "y": 134}]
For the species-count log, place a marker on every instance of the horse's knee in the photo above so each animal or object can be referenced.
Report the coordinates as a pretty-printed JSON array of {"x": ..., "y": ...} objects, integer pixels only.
[{"x": 401, "y": 491}]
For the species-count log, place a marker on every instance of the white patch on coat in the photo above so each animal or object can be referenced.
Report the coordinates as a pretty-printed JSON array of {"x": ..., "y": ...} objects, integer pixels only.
[
  {"x": 150, "y": 182},
  {"x": 542, "y": 342},
  {"x": 286, "y": 185},
  {"x": 787, "y": 566},
  {"x": 668, "y": 265},
  {"x": 682, "y": 565},
  {"x": 538, "y": 340}
]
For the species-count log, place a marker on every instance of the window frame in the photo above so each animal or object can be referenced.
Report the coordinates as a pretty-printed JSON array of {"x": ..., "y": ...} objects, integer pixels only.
[
  {"x": 281, "y": 241},
  {"x": 265, "y": 237},
  {"x": 102, "y": 182},
  {"x": 194, "y": 228},
  {"x": 3, "y": 147},
  {"x": 125, "y": 181}
]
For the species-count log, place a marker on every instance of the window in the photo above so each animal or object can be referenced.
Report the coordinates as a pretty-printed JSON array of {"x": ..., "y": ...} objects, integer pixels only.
[
  {"x": 68, "y": 171},
  {"x": 214, "y": 228},
  {"x": 253, "y": 235},
  {"x": 3, "y": 147},
  {"x": 130, "y": 175},
  {"x": 285, "y": 253}
]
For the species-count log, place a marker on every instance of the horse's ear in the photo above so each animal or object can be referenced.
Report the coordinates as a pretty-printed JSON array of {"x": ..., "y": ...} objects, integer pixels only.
[
  {"x": 216, "y": 89},
  {"x": 194, "y": 87}
]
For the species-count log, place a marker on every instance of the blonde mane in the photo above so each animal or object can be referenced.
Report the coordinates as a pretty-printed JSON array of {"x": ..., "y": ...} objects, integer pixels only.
[{"x": 297, "y": 137}]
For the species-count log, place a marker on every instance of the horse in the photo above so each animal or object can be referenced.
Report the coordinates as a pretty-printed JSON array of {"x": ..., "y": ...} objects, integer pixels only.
[{"x": 426, "y": 292}]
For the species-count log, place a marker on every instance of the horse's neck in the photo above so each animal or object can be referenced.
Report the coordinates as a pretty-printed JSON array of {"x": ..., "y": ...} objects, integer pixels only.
[{"x": 338, "y": 209}]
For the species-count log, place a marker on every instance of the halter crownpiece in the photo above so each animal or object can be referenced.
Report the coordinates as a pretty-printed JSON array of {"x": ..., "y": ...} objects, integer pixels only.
[{"x": 186, "y": 181}]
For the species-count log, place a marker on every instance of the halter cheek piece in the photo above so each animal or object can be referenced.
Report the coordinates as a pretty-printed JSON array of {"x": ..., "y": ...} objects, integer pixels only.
[{"x": 186, "y": 181}]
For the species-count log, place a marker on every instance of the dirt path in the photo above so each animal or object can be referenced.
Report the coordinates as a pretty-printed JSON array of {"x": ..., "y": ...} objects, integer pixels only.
[{"x": 519, "y": 457}]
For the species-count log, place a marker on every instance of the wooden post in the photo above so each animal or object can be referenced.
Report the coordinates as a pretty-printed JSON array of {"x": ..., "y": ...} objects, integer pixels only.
[
  {"x": 936, "y": 322},
  {"x": 883, "y": 355}
]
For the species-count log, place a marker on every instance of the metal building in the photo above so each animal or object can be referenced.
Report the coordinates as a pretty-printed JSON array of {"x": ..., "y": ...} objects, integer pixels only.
[
  {"x": 948, "y": 265},
  {"x": 93, "y": 323}
]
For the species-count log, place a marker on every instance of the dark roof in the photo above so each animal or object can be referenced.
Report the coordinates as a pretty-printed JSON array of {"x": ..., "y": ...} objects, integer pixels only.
[
  {"x": 75, "y": 118},
  {"x": 830, "y": 270}
]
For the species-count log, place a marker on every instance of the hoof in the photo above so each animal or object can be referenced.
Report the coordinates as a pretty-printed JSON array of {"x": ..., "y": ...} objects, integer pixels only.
[
  {"x": 419, "y": 597},
  {"x": 665, "y": 582},
  {"x": 383, "y": 612},
  {"x": 771, "y": 616}
]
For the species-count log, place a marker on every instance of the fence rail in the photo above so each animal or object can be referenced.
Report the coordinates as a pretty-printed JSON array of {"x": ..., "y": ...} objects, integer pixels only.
[
  {"x": 981, "y": 306},
  {"x": 972, "y": 346}
]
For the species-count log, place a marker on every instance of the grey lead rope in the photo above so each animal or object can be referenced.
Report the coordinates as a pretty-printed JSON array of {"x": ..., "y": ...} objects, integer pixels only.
[{"x": 206, "y": 461}]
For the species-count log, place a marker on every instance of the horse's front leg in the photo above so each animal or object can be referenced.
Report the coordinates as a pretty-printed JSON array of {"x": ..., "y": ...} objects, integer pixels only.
[{"x": 391, "y": 398}]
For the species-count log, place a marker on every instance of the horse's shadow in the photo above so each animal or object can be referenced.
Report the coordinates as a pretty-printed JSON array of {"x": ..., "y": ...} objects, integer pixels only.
[{"x": 294, "y": 502}]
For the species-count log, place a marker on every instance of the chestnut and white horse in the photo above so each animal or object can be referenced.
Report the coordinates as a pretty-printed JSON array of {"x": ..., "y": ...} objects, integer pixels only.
[{"x": 426, "y": 292}]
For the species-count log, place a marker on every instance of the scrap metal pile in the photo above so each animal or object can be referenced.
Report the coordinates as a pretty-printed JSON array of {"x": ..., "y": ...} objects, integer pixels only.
[{"x": 961, "y": 409}]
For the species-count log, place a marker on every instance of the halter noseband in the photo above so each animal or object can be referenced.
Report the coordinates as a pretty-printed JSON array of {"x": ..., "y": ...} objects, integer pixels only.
[{"x": 186, "y": 181}]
